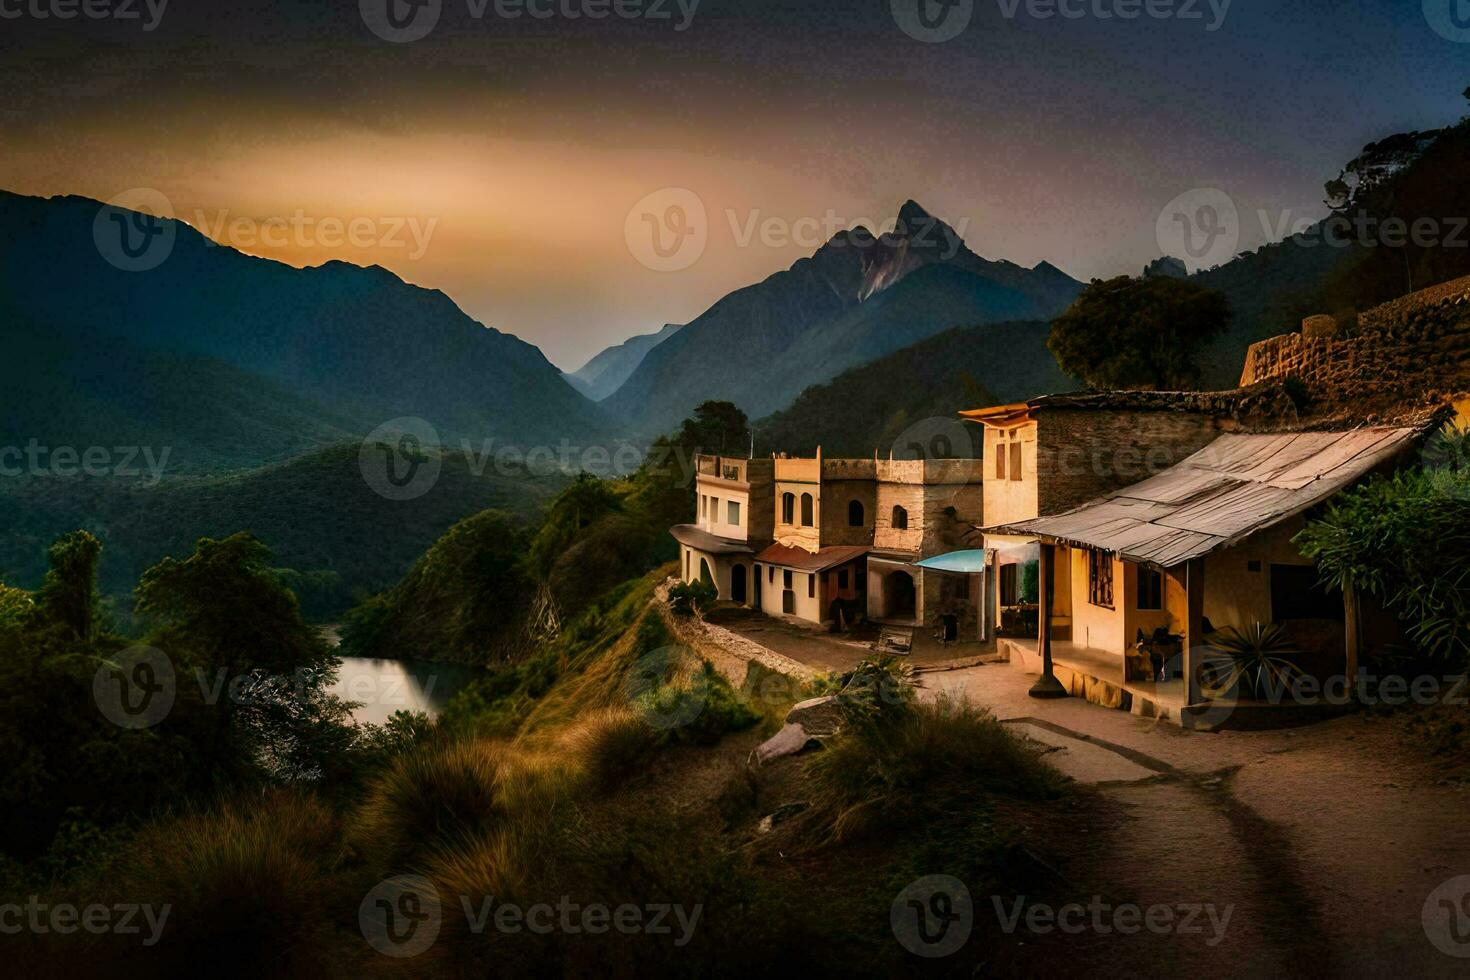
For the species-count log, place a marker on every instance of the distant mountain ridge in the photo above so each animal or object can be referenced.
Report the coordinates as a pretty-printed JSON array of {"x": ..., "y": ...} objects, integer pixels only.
[
  {"x": 359, "y": 344},
  {"x": 606, "y": 371},
  {"x": 762, "y": 345}
]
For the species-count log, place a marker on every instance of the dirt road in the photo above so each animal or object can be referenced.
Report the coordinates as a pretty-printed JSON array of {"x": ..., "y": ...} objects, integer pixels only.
[{"x": 1333, "y": 846}]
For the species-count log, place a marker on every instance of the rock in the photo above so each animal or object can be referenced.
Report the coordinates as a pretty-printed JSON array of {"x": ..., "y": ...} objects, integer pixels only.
[
  {"x": 819, "y": 716},
  {"x": 781, "y": 813},
  {"x": 790, "y": 740}
]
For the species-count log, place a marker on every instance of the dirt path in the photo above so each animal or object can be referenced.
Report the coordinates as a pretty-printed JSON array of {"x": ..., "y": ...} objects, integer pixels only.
[{"x": 1323, "y": 843}]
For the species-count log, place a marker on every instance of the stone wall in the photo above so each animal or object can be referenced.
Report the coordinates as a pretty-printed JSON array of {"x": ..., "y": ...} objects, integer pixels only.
[
  {"x": 1410, "y": 353},
  {"x": 1083, "y": 453}
]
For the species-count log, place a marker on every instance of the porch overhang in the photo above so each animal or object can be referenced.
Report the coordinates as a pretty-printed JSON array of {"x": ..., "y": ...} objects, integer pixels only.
[{"x": 699, "y": 539}]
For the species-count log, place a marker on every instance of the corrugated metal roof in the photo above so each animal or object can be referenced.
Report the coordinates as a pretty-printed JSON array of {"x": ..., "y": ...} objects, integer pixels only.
[{"x": 1237, "y": 485}]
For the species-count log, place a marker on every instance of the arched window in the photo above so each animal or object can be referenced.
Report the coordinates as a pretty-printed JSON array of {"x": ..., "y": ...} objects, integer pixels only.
[
  {"x": 900, "y": 518},
  {"x": 854, "y": 513},
  {"x": 806, "y": 510},
  {"x": 788, "y": 508}
]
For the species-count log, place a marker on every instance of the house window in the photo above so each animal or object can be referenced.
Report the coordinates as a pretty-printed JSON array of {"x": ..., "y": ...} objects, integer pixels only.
[
  {"x": 1000, "y": 457},
  {"x": 900, "y": 518},
  {"x": 1009, "y": 579},
  {"x": 734, "y": 514},
  {"x": 1015, "y": 465},
  {"x": 770, "y": 573},
  {"x": 811, "y": 586},
  {"x": 714, "y": 510},
  {"x": 788, "y": 508},
  {"x": 1100, "y": 578},
  {"x": 854, "y": 513},
  {"x": 703, "y": 505},
  {"x": 842, "y": 579},
  {"x": 786, "y": 579},
  {"x": 1150, "y": 588},
  {"x": 686, "y": 564},
  {"x": 806, "y": 510}
]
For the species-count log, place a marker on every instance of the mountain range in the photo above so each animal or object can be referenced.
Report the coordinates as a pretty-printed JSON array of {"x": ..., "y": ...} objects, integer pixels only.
[
  {"x": 607, "y": 371},
  {"x": 287, "y": 358},
  {"x": 858, "y": 297}
]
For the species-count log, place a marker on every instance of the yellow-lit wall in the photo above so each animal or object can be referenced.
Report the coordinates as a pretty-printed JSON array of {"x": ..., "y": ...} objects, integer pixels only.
[{"x": 1007, "y": 500}]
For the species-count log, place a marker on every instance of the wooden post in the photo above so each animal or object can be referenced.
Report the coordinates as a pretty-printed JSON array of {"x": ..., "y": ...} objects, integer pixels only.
[
  {"x": 1352, "y": 633},
  {"x": 1194, "y": 630},
  {"x": 1047, "y": 686}
]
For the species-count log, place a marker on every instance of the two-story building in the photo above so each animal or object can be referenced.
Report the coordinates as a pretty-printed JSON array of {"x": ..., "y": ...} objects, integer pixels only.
[
  {"x": 926, "y": 508},
  {"x": 823, "y": 528},
  {"x": 733, "y": 512}
]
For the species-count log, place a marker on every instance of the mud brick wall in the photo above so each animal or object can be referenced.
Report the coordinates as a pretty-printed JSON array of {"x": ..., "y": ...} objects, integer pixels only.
[{"x": 1085, "y": 453}]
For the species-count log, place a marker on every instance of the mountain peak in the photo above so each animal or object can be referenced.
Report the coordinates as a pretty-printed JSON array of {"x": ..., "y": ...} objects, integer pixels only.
[{"x": 912, "y": 212}]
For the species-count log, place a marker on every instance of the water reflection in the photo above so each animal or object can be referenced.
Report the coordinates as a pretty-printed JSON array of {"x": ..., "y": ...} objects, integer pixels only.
[{"x": 386, "y": 686}]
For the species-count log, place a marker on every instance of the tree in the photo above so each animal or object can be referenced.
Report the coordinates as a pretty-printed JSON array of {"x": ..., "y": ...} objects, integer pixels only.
[
  {"x": 224, "y": 613},
  {"x": 716, "y": 427},
  {"x": 464, "y": 600},
  {"x": 1138, "y": 333},
  {"x": 68, "y": 595}
]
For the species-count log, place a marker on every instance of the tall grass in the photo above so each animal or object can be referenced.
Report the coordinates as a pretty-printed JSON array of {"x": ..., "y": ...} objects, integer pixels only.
[
  {"x": 450, "y": 791},
  {"x": 922, "y": 760},
  {"x": 251, "y": 886}
]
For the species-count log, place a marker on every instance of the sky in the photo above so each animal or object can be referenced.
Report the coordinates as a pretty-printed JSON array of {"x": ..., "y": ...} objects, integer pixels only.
[{"x": 520, "y": 155}]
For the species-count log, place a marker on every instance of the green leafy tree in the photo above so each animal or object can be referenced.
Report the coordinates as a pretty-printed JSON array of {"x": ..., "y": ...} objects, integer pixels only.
[
  {"x": 463, "y": 601},
  {"x": 1138, "y": 333},
  {"x": 586, "y": 500},
  {"x": 68, "y": 595},
  {"x": 715, "y": 427},
  {"x": 224, "y": 618},
  {"x": 65, "y": 762}
]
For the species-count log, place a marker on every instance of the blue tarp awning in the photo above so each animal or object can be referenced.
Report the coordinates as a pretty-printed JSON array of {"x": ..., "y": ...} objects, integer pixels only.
[{"x": 956, "y": 561}]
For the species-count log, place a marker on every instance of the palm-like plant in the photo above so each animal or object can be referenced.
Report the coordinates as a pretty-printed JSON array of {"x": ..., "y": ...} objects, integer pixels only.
[{"x": 1256, "y": 658}]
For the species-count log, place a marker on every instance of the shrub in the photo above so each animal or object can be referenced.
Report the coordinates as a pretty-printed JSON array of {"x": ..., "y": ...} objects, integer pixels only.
[
  {"x": 924, "y": 761},
  {"x": 687, "y": 598},
  {"x": 1255, "y": 661},
  {"x": 610, "y": 745},
  {"x": 1405, "y": 539},
  {"x": 448, "y": 791}
]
